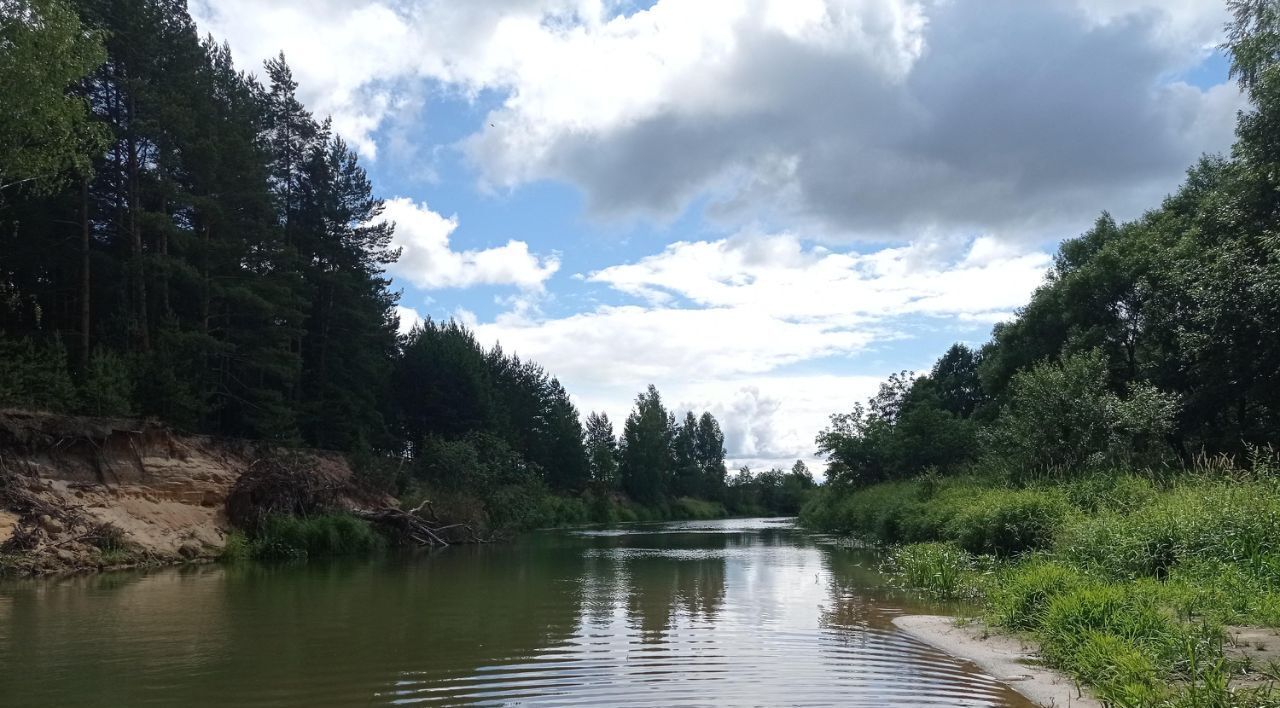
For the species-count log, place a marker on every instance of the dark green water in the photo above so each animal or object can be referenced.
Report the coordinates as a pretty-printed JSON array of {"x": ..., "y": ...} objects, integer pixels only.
[{"x": 740, "y": 612}]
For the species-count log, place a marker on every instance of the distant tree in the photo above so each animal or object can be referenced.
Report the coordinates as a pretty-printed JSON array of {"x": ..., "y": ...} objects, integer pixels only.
[
  {"x": 687, "y": 473},
  {"x": 647, "y": 462},
  {"x": 954, "y": 379},
  {"x": 709, "y": 450},
  {"x": 602, "y": 450}
]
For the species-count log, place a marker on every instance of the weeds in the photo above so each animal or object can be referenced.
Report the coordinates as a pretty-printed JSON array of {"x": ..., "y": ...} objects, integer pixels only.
[
  {"x": 940, "y": 569},
  {"x": 300, "y": 538},
  {"x": 1125, "y": 580}
]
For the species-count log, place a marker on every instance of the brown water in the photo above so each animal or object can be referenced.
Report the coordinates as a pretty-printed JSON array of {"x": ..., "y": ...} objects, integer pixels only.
[{"x": 740, "y": 612}]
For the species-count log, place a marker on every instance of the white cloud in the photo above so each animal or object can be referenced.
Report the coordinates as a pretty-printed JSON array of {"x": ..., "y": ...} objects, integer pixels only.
[
  {"x": 724, "y": 320},
  {"x": 858, "y": 118},
  {"x": 409, "y": 318},
  {"x": 428, "y": 261}
]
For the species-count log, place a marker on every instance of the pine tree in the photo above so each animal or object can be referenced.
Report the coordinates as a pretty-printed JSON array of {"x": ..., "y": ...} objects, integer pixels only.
[
  {"x": 646, "y": 461},
  {"x": 602, "y": 450},
  {"x": 709, "y": 450}
]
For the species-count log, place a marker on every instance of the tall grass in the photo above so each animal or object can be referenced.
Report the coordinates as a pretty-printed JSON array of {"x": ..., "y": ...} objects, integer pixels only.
[
  {"x": 973, "y": 513},
  {"x": 300, "y": 538},
  {"x": 941, "y": 569},
  {"x": 1125, "y": 580}
]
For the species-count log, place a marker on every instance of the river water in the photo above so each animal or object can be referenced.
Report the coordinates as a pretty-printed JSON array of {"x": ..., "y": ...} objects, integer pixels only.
[{"x": 739, "y": 612}]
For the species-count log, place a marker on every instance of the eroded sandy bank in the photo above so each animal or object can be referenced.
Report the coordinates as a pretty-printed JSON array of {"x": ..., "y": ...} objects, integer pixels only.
[{"x": 1007, "y": 658}]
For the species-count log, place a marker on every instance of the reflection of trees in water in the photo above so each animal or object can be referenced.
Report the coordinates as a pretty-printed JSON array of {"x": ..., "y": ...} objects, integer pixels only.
[
  {"x": 662, "y": 586},
  {"x": 337, "y": 632},
  {"x": 685, "y": 577},
  {"x": 856, "y": 593}
]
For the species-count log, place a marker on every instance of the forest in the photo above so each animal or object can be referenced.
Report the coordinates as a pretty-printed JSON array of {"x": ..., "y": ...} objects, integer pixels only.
[
  {"x": 1103, "y": 473},
  {"x": 182, "y": 240}
]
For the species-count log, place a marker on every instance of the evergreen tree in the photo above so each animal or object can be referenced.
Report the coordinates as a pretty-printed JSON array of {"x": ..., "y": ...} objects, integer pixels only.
[
  {"x": 687, "y": 475},
  {"x": 709, "y": 450},
  {"x": 602, "y": 450},
  {"x": 646, "y": 461}
]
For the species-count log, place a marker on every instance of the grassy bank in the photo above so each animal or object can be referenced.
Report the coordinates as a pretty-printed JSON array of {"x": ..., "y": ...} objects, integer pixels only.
[
  {"x": 510, "y": 511},
  {"x": 1126, "y": 581}
]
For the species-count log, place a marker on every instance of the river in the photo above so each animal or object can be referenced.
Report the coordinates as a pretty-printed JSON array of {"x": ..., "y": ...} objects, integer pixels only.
[{"x": 736, "y": 612}]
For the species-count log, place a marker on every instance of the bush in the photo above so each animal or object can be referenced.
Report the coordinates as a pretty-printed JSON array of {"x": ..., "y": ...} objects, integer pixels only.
[
  {"x": 1109, "y": 492},
  {"x": 690, "y": 508},
  {"x": 1008, "y": 522},
  {"x": 329, "y": 535},
  {"x": 1115, "y": 639},
  {"x": 107, "y": 386},
  {"x": 35, "y": 375},
  {"x": 970, "y": 511},
  {"x": 1061, "y": 417}
]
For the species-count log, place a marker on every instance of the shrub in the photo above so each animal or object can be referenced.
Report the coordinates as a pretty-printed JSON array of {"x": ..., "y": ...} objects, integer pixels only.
[
  {"x": 1063, "y": 417},
  {"x": 690, "y": 508},
  {"x": 1008, "y": 522},
  {"x": 35, "y": 375},
  {"x": 297, "y": 537},
  {"x": 1109, "y": 492},
  {"x": 107, "y": 386}
]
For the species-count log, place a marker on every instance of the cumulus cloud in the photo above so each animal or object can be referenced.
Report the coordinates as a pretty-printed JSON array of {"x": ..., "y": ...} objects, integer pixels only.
[
  {"x": 721, "y": 325},
  {"x": 409, "y": 318},
  {"x": 857, "y": 118},
  {"x": 428, "y": 261}
]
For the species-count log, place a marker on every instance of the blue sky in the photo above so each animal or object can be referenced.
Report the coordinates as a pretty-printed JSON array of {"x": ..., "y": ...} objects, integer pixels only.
[{"x": 762, "y": 207}]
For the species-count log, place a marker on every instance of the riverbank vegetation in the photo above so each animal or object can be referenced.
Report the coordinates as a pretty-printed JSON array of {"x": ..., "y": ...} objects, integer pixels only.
[
  {"x": 1103, "y": 473},
  {"x": 185, "y": 241}
]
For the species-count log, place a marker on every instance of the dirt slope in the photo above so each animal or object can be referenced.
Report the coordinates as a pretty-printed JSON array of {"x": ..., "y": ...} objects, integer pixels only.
[{"x": 80, "y": 493}]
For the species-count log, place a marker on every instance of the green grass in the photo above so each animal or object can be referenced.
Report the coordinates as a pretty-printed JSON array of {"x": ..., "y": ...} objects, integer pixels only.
[
  {"x": 941, "y": 569},
  {"x": 300, "y": 538},
  {"x": 1126, "y": 581},
  {"x": 970, "y": 512}
]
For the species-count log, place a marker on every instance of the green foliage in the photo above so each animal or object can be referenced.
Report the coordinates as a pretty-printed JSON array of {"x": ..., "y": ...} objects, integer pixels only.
[
  {"x": 941, "y": 569},
  {"x": 1022, "y": 593},
  {"x": 972, "y": 513},
  {"x": 35, "y": 375},
  {"x": 45, "y": 133},
  {"x": 1007, "y": 522},
  {"x": 107, "y": 386},
  {"x": 1228, "y": 522},
  {"x": 300, "y": 538},
  {"x": 647, "y": 461},
  {"x": 1062, "y": 417},
  {"x": 912, "y": 425},
  {"x": 602, "y": 451},
  {"x": 700, "y": 509}
]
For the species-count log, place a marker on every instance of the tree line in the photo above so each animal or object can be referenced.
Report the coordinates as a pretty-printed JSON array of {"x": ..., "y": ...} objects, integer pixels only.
[
  {"x": 1151, "y": 344},
  {"x": 184, "y": 240}
]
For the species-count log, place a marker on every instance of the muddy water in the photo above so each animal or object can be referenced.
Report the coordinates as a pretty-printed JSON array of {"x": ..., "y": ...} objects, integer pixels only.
[{"x": 741, "y": 612}]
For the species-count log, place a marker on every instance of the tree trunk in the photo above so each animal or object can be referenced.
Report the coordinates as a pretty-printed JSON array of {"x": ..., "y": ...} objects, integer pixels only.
[
  {"x": 84, "y": 274},
  {"x": 135, "y": 236}
]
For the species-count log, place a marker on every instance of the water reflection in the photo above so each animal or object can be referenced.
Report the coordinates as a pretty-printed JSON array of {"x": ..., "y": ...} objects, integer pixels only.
[{"x": 719, "y": 613}]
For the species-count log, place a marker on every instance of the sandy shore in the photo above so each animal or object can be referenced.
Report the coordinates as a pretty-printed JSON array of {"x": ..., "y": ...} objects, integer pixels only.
[{"x": 1004, "y": 657}]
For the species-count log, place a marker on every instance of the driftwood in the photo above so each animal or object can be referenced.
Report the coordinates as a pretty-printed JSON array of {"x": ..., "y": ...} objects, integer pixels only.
[
  {"x": 283, "y": 484},
  {"x": 411, "y": 527}
]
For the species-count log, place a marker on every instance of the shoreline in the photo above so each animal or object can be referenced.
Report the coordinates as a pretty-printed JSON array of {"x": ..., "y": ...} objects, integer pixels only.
[{"x": 1007, "y": 658}]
